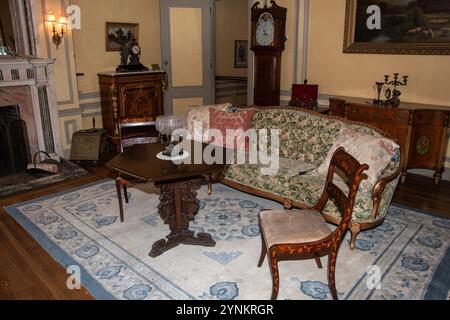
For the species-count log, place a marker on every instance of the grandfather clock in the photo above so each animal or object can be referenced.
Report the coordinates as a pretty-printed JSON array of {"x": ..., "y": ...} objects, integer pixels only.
[{"x": 268, "y": 38}]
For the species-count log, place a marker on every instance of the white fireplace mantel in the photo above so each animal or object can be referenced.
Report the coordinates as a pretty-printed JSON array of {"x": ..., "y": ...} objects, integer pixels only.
[
  {"x": 38, "y": 75},
  {"x": 24, "y": 71}
]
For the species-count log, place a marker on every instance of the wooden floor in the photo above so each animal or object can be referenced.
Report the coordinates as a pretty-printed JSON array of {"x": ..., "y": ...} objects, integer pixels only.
[
  {"x": 28, "y": 272},
  {"x": 421, "y": 193}
]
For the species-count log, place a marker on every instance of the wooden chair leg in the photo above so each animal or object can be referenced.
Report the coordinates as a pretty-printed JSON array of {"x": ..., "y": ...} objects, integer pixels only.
[
  {"x": 355, "y": 228},
  {"x": 210, "y": 190},
  {"x": 319, "y": 263},
  {"x": 125, "y": 193},
  {"x": 331, "y": 274},
  {"x": 275, "y": 275},
  {"x": 119, "y": 197},
  {"x": 288, "y": 204},
  {"x": 263, "y": 251}
]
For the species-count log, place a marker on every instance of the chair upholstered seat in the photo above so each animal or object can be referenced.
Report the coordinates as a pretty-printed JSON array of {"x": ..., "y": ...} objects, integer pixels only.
[{"x": 293, "y": 226}]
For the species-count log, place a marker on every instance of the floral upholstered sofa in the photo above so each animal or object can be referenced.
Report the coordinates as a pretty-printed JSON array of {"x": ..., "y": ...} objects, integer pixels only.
[{"x": 307, "y": 137}]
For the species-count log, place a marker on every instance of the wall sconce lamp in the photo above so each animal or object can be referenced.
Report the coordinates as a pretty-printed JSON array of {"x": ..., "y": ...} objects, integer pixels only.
[{"x": 61, "y": 23}]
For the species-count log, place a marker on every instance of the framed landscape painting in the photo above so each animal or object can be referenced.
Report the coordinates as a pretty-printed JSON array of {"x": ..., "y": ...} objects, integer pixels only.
[
  {"x": 117, "y": 32},
  {"x": 397, "y": 27}
]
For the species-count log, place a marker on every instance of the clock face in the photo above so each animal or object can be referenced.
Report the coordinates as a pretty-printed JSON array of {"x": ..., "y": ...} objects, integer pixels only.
[
  {"x": 135, "y": 49},
  {"x": 265, "y": 30}
]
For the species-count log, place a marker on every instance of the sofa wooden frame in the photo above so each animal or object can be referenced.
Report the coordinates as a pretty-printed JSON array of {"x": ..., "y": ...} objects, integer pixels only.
[{"x": 377, "y": 192}]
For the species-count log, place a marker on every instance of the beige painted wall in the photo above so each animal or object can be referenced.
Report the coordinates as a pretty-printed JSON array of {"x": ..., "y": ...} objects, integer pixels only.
[
  {"x": 355, "y": 74},
  {"x": 231, "y": 25},
  {"x": 89, "y": 42}
]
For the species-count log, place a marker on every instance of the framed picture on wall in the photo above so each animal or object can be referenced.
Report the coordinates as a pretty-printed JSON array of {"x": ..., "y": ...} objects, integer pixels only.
[
  {"x": 397, "y": 27},
  {"x": 117, "y": 32},
  {"x": 241, "y": 54}
]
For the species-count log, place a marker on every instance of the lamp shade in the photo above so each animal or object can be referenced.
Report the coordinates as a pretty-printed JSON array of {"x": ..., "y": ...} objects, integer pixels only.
[
  {"x": 62, "y": 20},
  {"x": 50, "y": 17}
]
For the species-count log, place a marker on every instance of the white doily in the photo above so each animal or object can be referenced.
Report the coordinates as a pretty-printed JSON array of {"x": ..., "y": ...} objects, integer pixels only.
[{"x": 177, "y": 158}]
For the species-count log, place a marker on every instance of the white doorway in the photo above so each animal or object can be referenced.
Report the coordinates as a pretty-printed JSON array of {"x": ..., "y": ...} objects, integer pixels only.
[{"x": 187, "y": 53}]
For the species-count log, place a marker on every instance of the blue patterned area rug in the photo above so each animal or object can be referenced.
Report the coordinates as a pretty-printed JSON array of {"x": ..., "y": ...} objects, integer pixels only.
[{"x": 406, "y": 258}]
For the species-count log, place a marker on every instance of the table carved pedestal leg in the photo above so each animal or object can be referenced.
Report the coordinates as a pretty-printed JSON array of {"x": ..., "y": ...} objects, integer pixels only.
[{"x": 178, "y": 206}]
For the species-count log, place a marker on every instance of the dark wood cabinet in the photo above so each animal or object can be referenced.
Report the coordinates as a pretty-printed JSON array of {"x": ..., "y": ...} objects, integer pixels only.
[
  {"x": 133, "y": 95},
  {"x": 421, "y": 130}
]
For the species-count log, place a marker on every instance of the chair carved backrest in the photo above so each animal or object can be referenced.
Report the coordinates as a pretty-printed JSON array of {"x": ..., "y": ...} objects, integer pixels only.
[
  {"x": 353, "y": 172},
  {"x": 143, "y": 134},
  {"x": 135, "y": 122}
]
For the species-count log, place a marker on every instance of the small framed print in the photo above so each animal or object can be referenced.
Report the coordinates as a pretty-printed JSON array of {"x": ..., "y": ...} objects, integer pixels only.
[
  {"x": 118, "y": 32},
  {"x": 241, "y": 54}
]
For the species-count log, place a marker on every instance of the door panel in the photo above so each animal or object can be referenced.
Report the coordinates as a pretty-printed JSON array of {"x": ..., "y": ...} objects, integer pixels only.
[
  {"x": 187, "y": 53},
  {"x": 181, "y": 105},
  {"x": 186, "y": 47}
]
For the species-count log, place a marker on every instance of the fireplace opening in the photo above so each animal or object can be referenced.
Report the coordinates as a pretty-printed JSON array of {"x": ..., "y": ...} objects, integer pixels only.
[{"x": 14, "y": 146}]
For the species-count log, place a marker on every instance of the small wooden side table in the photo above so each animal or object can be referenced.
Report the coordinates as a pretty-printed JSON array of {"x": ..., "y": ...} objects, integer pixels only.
[{"x": 178, "y": 201}]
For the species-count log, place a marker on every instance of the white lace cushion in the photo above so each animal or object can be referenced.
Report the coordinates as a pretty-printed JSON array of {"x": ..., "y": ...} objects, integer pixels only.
[{"x": 375, "y": 151}]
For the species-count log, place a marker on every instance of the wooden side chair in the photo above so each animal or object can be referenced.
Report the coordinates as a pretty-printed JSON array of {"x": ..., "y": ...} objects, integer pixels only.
[
  {"x": 299, "y": 234},
  {"x": 142, "y": 127}
]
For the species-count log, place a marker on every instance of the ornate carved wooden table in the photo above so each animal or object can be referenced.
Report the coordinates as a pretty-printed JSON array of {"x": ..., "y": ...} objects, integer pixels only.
[{"x": 178, "y": 201}]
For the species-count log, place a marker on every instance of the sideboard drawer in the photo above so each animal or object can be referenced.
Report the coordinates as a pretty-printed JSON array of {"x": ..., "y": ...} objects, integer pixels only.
[
  {"x": 375, "y": 114},
  {"x": 337, "y": 107},
  {"x": 430, "y": 117},
  {"x": 394, "y": 122}
]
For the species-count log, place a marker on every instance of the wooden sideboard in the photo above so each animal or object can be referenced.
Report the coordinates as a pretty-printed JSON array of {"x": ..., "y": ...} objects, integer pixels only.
[
  {"x": 421, "y": 130},
  {"x": 131, "y": 95}
]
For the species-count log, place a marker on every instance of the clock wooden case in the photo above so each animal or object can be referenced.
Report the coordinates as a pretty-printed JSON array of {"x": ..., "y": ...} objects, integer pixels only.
[{"x": 267, "y": 41}]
